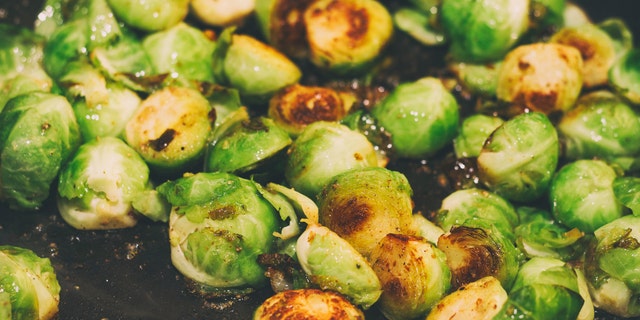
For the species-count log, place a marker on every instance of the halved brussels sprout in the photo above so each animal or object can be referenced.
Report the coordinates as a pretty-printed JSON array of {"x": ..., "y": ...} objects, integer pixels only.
[
  {"x": 219, "y": 225},
  {"x": 601, "y": 126},
  {"x": 246, "y": 146},
  {"x": 100, "y": 183},
  {"x": 333, "y": 264},
  {"x": 474, "y": 252},
  {"x": 102, "y": 107},
  {"x": 473, "y": 133},
  {"x": 308, "y": 303},
  {"x": 611, "y": 267},
  {"x": 222, "y": 13},
  {"x": 624, "y": 76},
  {"x": 467, "y": 206},
  {"x": 324, "y": 150},
  {"x": 520, "y": 157},
  {"x": 296, "y": 106},
  {"x": 363, "y": 205},
  {"x": 170, "y": 128},
  {"x": 256, "y": 69},
  {"x": 598, "y": 49},
  {"x": 38, "y": 134},
  {"x": 545, "y": 288},
  {"x": 29, "y": 288},
  {"x": 414, "y": 275},
  {"x": 282, "y": 24},
  {"x": 544, "y": 77},
  {"x": 483, "y": 31},
  {"x": 582, "y": 197},
  {"x": 150, "y": 15},
  {"x": 421, "y": 117},
  {"x": 183, "y": 52},
  {"x": 480, "y": 299},
  {"x": 347, "y": 36}
]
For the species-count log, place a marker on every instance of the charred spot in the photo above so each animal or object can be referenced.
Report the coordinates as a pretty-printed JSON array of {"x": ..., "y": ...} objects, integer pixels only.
[
  {"x": 163, "y": 141},
  {"x": 523, "y": 65},
  {"x": 359, "y": 24},
  {"x": 45, "y": 126},
  {"x": 627, "y": 242},
  {"x": 212, "y": 115},
  {"x": 395, "y": 289},
  {"x": 349, "y": 217},
  {"x": 314, "y": 106},
  {"x": 255, "y": 124},
  {"x": 587, "y": 51},
  {"x": 222, "y": 213},
  {"x": 541, "y": 101},
  {"x": 288, "y": 30}
]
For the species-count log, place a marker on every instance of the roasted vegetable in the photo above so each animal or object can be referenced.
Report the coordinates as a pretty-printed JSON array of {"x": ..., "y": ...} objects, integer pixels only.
[
  {"x": 364, "y": 205},
  {"x": 29, "y": 288},
  {"x": 38, "y": 134}
]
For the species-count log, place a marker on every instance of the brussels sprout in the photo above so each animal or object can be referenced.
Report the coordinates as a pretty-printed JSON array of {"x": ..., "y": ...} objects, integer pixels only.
[
  {"x": 421, "y": 24},
  {"x": 611, "y": 267},
  {"x": 100, "y": 182},
  {"x": 544, "y": 77},
  {"x": 478, "y": 79},
  {"x": 624, "y": 76},
  {"x": 333, "y": 264},
  {"x": 182, "y": 51},
  {"x": 125, "y": 61},
  {"x": 582, "y": 197},
  {"x": 170, "y": 128},
  {"x": 219, "y": 225},
  {"x": 538, "y": 235},
  {"x": 21, "y": 54},
  {"x": 222, "y": 13},
  {"x": 596, "y": 47},
  {"x": 468, "y": 206},
  {"x": 477, "y": 251},
  {"x": 38, "y": 133},
  {"x": 322, "y": 151},
  {"x": 346, "y": 37},
  {"x": 66, "y": 44},
  {"x": 365, "y": 204},
  {"x": 296, "y": 106},
  {"x": 101, "y": 106},
  {"x": 30, "y": 283},
  {"x": 282, "y": 24},
  {"x": 627, "y": 191},
  {"x": 308, "y": 303},
  {"x": 413, "y": 273},
  {"x": 472, "y": 134},
  {"x": 601, "y": 126},
  {"x": 480, "y": 299},
  {"x": 421, "y": 117},
  {"x": 246, "y": 146},
  {"x": 519, "y": 158},
  {"x": 256, "y": 69},
  {"x": 483, "y": 31},
  {"x": 150, "y": 15},
  {"x": 545, "y": 288}
]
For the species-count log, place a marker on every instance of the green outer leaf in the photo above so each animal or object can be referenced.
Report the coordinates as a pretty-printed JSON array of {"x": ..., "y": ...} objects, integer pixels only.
[{"x": 627, "y": 191}]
